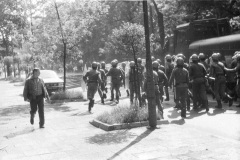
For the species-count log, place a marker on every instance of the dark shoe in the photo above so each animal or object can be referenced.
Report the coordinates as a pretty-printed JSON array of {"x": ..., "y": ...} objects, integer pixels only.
[
  {"x": 207, "y": 109},
  {"x": 183, "y": 115},
  {"x": 41, "y": 126},
  {"x": 111, "y": 99},
  {"x": 238, "y": 105},
  {"x": 230, "y": 102},
  {"x": 117, "y": 101}
]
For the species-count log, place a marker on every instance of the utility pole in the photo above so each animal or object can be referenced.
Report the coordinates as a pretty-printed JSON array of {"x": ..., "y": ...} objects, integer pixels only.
[{"x": 150, "y": 85}]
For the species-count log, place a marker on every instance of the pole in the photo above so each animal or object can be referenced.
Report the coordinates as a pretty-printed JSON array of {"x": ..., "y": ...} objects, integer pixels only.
[
  {"x": 150, "y": 85},
  {"x": 64, "y": 65}
]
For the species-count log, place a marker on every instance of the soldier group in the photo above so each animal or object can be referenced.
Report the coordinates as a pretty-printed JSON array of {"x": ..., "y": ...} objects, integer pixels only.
[{"x": 191, "y": 80}]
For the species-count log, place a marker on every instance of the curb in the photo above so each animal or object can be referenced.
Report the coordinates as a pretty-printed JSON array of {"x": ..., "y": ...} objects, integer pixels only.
[
  {"x": 68, "y": 100},
  {"x": 108, "y": 127}
]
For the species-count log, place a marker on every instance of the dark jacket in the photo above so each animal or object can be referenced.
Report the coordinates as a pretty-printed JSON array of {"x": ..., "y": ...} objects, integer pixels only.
[{"x": 28, "y": 92}]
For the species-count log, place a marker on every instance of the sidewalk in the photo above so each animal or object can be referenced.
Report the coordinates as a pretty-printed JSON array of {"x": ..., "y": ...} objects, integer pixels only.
[{"x": 68, "y": 136}]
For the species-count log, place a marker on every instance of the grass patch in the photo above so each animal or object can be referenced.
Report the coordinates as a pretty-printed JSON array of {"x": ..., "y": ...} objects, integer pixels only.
[
  {"x": 125, "y": 113},
  {"x": 68, "y": 94}
]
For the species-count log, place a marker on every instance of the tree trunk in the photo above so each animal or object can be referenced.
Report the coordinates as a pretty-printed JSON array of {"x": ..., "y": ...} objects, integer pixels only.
[
  {"x": 160, "y": 24},
  {"x": 150, "y": 85},
  {"x": 151, "y": 20}
]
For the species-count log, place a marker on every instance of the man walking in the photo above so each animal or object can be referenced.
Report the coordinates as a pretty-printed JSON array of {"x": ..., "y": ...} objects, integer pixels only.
[
  {"x": 35, "y": 92},
  {"x": 92, "y": 78}
]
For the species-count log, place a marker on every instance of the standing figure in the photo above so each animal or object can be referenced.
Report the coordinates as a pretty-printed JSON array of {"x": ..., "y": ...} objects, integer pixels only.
[
  {"x": 197, "y": 73},
  {"x": 180, "y": 77},
  {"x": 101, "y": 88},
  {"x": 103, "y": 67},
  {"x": 93, "y": 79},
  {"x": 117, "y": 77},
  {"x": 35, "y": 92},
  {"x": 133, "y": 85},
  {"x": 217, "y": 71}
]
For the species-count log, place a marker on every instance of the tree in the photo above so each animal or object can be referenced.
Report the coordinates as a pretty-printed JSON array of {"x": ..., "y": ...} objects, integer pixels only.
[{"x": 127, "y": 40}]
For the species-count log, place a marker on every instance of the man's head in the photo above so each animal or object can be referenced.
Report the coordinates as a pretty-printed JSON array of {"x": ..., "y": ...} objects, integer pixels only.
[
  {"x": 180, "y": 62},
  {"x": 36, "y": 72},
  {"x": 103, "y": 64},
  {"x": 94, "y": 65},
  {"x": 194, "y": 58}
]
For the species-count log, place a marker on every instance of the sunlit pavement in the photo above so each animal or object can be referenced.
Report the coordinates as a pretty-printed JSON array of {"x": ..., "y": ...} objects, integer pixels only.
[{"x": 68, "y": 134}]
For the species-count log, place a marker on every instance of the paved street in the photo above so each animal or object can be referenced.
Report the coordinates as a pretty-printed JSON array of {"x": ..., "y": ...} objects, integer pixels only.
[{"x": 68, "y": 134}]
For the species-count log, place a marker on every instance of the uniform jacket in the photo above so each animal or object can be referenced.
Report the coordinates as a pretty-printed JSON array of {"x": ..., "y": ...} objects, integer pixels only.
[
  {"x": 180, "y": 76},
  {"x": 28, "y": 92},
  {"x": 197, "y": 71},
  {"x": 117, "y": 75},
  {"x": 92, "y": 76}
]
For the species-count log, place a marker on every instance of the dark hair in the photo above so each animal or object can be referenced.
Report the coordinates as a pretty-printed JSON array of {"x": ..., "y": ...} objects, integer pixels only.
[{"x": 35, "y": 70}]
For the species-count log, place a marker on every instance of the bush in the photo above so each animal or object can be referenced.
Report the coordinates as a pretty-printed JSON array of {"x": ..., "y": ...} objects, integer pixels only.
[
  {"x": 125, "y": 113},
  {"x": 15, "y": 79},
  {"x": 68, "y": 94}
]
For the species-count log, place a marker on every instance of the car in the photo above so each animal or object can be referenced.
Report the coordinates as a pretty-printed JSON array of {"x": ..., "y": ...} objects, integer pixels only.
[{"x": 51, "y": 80}]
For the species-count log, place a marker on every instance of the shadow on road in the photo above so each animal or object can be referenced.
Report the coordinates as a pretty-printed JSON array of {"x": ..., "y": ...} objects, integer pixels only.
[
  {"x": 137, "y": 140},
  {"x": 22, "y": 132},
  {"x": 111, "y": 137},
  {"x": 178, "y": 122},
  {"x": 15, "y": 110},
  {"x": 59, "y": 107},
  {"x": 216, "y": 111}
]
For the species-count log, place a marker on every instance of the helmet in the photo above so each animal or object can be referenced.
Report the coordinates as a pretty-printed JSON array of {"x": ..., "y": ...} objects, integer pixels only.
[
  {"x": 215, "y": 56},
  {"x": 180, "y": 61},
  {"x": 168, "y": 57},
  {"x": 194, "y": 57},
  {"x": 201, "y": 56},
  {"x": 181, "y": 55},
  {"x": 132, "y": 64},
  {"x": 94, "y": 64},
  {"x": 123, "y": 64},
  {"x": 159, "y": 61},
  {"x": 103, "y": 64},
  {"x": 153, "y": 58},
  {"x": 155, "y": 64},
  {"x": 114, "y": 63},
  {"x": 139, "y": 60}
]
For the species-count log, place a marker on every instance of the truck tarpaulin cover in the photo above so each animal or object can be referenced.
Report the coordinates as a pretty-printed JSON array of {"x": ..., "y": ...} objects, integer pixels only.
[{"x": 215, "y": 41}]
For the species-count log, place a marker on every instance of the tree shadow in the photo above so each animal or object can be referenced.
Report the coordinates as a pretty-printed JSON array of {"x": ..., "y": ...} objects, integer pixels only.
[
  {"x": 15, "y": 110},
  {"x": 137, "y": 140},
  {"x": 82, "y": 114},
  {"x": 178, "y": 122},
  {"x": 115, "y": 137},
  {"x": 59, "y": 107},
  {"x": 22, "y": 132}
]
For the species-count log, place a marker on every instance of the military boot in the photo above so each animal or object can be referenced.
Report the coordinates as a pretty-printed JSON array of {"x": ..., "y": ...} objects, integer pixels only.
[
  {"x": 117, "y": 99},
  {"x": 183, "y": 113},
  {"x": 219, "y": 104},
  {"x": 102, "y": 100},
  {"x": 230, "y": 100}
]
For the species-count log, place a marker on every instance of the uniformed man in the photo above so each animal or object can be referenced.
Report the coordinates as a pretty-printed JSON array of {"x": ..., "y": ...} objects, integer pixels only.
[
  {"x": 155, "y": 66},
  {"x": 197, "y": 73},
  {"x": 140, "y": 72},
  {"x": 133, "y": 85},
  {"x": 101, "y": 87},
  {"x": 103, "y": 67},
  {"x": 180, "y": 77},
  {"x": 162, "y": 80},
  {"x": 238, "y": 77},
  {"x": 93, "y": 79},
  {"x": 217, "y": 71},
  {"x": 117, "y": 77}
]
